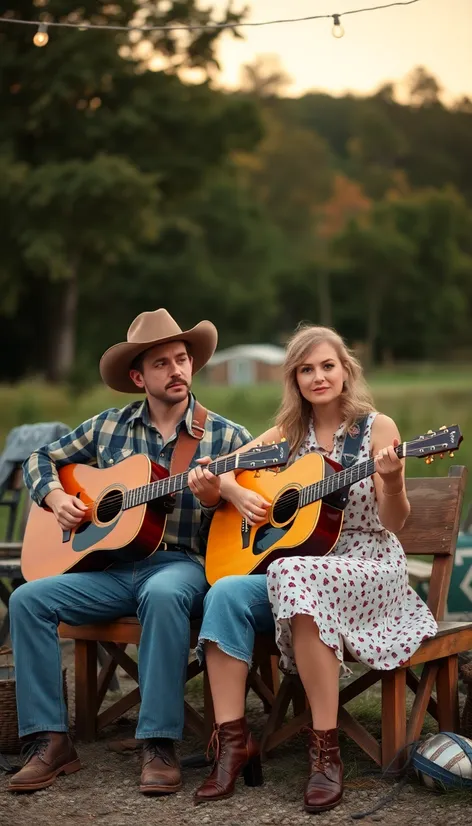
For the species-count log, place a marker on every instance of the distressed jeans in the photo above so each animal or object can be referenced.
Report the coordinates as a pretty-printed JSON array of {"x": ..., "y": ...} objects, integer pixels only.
[
  {"x": 165, "y": 591},
  {"x": 235, "y": 609}
]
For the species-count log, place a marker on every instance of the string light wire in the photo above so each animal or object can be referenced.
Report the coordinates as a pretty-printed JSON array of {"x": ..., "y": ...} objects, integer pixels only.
[{"x": 83, "y": 25}]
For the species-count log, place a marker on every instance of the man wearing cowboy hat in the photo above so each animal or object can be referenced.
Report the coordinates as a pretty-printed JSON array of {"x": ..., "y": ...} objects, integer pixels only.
[{"x": 164, "y": 590}]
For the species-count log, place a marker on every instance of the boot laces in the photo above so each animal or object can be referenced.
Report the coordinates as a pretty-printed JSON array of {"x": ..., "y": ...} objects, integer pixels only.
[
  {"x": 157, "y": 750},
  {"x": 214, "y": 745},
  {"x": 319, "y": 752},
  {"x": 37, "y": 747}
]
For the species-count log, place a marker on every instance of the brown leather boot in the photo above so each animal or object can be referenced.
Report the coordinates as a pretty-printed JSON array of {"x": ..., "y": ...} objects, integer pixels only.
[
  {"x": 324, "y": 789},
  {"x": 161, "y": 768},
  {"x": 47, "y": 756},
  {"x": 235, "y": 751}
]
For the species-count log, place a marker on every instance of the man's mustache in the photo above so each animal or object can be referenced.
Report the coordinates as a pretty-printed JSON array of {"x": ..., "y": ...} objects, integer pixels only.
[{"x": 176, "y": 381}]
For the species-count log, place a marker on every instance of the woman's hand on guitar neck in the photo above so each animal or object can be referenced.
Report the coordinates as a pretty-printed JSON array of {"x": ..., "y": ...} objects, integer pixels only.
[
  {"x": 68, "y": 510},
  {"x": 249, "y": 504}
]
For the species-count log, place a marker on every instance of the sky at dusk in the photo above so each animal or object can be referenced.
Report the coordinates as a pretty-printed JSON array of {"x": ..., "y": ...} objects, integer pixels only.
[{"x": 377, "y": 46}]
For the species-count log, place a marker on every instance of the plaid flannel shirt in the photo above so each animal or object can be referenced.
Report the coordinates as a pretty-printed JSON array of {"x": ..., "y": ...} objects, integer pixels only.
[{"x": 113, "y": 435}]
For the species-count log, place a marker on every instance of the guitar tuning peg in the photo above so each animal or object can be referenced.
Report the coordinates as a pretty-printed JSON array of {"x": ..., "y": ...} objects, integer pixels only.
[
  {"x": 443, "y": 427},
  {"x": 451, "y": 454},
  {"x": 441, "y": 455},
  {"x": 257, "y": 473},
  {"x": 429, "y": 460},
  {"x": 429, "y": 431}
]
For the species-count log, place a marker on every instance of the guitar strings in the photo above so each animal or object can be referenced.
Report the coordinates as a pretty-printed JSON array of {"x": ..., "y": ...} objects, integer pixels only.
[{"x": 109, "y": 505}]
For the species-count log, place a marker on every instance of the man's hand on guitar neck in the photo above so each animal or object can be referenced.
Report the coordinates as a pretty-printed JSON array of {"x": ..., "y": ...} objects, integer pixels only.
[
  {"x": 204, "y": 485},
  {"x": 68, "y": 510}
]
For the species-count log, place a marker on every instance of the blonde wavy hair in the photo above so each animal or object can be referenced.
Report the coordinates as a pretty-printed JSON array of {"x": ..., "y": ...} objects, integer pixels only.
[{"x": 293, "y": 417}]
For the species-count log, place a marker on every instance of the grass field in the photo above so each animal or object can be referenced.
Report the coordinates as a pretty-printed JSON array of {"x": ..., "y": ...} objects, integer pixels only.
[{"x": 418, "y": 398}]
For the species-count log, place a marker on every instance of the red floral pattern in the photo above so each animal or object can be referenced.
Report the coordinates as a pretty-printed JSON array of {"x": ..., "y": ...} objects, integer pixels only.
[{"x": 359, "y": 595}]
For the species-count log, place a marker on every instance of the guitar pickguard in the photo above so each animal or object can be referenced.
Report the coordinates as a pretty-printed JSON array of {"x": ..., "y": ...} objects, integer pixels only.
[
  {"x": 267, "y": 535},
  {"x": 88, "y": 534}
]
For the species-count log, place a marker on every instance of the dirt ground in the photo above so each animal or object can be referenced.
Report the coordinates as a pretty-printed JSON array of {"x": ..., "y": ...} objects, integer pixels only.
[{"x": 106, "y": 790}]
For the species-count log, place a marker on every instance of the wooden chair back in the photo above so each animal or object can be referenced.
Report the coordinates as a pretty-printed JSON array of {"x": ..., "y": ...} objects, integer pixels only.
[
  {"x": 11, "y": 500},
  {"x": 433, "y": 526}
]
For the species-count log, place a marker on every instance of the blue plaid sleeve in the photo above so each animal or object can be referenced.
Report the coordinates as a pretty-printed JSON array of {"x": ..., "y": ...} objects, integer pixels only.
[{"x": 78, "y": 446}]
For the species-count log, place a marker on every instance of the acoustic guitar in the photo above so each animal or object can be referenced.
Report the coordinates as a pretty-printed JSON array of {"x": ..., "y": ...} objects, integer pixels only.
[
  {"x": 307, "y": 508},
  {"x": 127, "y": 512}
]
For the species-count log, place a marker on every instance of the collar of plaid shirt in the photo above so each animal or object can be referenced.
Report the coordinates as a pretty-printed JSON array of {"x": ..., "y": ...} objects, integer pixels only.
[{"x": 142, "y": 413}]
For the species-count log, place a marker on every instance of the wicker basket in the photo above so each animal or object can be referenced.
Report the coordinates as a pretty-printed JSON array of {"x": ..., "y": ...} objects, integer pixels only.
[
  {"x": 466, "y": 720},
  {"x": 9, "y": 740}
]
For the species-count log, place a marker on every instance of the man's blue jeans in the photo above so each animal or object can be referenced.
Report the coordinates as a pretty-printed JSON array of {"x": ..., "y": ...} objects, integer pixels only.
[{"x": 165, "y": 591}]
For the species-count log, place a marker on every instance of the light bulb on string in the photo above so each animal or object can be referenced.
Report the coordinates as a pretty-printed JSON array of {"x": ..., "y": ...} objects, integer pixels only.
[
  {"x": 41, "y": 37},
  {"x": 337, "y": 30}
]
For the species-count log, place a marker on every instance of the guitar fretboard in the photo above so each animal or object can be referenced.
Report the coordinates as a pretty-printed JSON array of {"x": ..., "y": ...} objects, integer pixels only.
[
  {"x": 172, "y": 484},
  {"x": 312, "y": 493}
]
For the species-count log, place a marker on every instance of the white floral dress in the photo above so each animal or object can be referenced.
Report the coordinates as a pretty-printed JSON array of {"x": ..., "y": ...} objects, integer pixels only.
[{"x": 359, "y": 594}]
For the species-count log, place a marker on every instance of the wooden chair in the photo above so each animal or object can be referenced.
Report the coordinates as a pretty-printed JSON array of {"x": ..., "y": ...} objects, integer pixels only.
[
  {"x": 431, "y": 530},
  {"x": 10, "y": 550},
  {"x": 90, "y": 688}
]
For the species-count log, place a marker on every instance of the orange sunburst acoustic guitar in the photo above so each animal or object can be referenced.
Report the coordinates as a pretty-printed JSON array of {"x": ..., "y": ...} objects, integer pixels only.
[
  {"x": 126, "y": 517},
  {"x": 307, "y": 507}
]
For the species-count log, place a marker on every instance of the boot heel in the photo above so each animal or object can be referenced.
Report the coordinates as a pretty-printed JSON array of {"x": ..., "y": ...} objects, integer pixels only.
[
  {"x": 252, "y": 772},
  {"x": 70, "y": 768}
]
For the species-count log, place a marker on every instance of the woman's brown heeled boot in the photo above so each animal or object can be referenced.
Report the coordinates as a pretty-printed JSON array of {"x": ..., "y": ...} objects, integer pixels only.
[
  {"x": 235, "y": 751},
  {"x": 324, "y": 789}
]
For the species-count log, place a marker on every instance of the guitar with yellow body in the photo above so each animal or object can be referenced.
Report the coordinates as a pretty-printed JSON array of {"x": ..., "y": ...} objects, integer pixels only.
[{"x": 307, "y": 507}]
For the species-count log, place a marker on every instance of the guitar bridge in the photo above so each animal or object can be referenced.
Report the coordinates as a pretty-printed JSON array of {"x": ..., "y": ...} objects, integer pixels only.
[{"x": 245, "y": 533}]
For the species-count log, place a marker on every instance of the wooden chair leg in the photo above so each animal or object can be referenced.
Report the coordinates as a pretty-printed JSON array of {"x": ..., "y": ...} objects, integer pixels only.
[
  {"x": 269, "y": 671},
  {"x": 299, "y": 698},
  {"x": 422, "y": 700},
  {"x": 208, "y": 711},
  {"x": 393, "y": 719},
  {"x": 448, "y": 694},
  {"x": 85, "y": 689}
]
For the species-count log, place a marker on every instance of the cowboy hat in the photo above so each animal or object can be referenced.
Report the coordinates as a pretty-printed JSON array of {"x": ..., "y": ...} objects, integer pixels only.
[{"x": 147, "y": 330}]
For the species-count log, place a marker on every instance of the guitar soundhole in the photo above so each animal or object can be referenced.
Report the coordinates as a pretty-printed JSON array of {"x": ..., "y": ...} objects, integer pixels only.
[
  {"x": 286, "y": 506},
  {"x": 110, "y": 506}
]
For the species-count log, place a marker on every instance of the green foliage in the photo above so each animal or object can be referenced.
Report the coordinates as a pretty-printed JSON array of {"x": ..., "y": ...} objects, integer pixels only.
[{"x": 123, "y": 188}]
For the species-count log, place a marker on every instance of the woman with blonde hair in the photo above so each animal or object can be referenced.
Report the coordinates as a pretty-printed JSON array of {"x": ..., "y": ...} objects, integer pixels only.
[{"x": 356, "y": 598}]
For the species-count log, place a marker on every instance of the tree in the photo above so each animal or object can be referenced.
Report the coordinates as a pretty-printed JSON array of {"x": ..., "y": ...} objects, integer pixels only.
[
  {"x": 423, "y": 87},
  {"x": 265, "y": 77},
  {"x": 76, "y": 214}
]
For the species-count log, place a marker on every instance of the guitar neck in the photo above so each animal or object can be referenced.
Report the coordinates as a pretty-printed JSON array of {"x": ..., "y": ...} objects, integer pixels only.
[
  {"x": 173, "y": 484},
  {"x": 342, "y": 479}
]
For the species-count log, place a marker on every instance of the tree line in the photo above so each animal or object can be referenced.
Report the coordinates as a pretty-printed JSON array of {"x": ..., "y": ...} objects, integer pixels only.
[{"x": 123, "y": 189}]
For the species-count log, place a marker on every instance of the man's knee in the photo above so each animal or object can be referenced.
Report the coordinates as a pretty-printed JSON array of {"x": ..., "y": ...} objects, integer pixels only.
[
  {"x": 25, "y": 598},
  {"x": 158, "y": 596}
]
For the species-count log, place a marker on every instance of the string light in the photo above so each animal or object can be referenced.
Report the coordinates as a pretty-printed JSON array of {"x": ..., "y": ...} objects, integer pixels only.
[
  {"x": 337, "y": 30},
  {"x": 41, "y": 37}
]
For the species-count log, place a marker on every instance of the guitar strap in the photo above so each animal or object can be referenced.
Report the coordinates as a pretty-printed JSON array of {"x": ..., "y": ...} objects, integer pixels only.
[
  {"x": 186, "y": 445},
  {"x": 352, "y": 442}
]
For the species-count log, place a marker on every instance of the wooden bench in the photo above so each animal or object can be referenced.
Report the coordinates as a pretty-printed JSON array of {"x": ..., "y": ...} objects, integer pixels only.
[{"x": 431, "y": 530}]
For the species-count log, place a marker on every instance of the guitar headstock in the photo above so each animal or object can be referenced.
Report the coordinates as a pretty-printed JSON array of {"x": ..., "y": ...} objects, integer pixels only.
[
  {"x": 264, "y": 456},
  {"x": 444, "y": 440}
]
